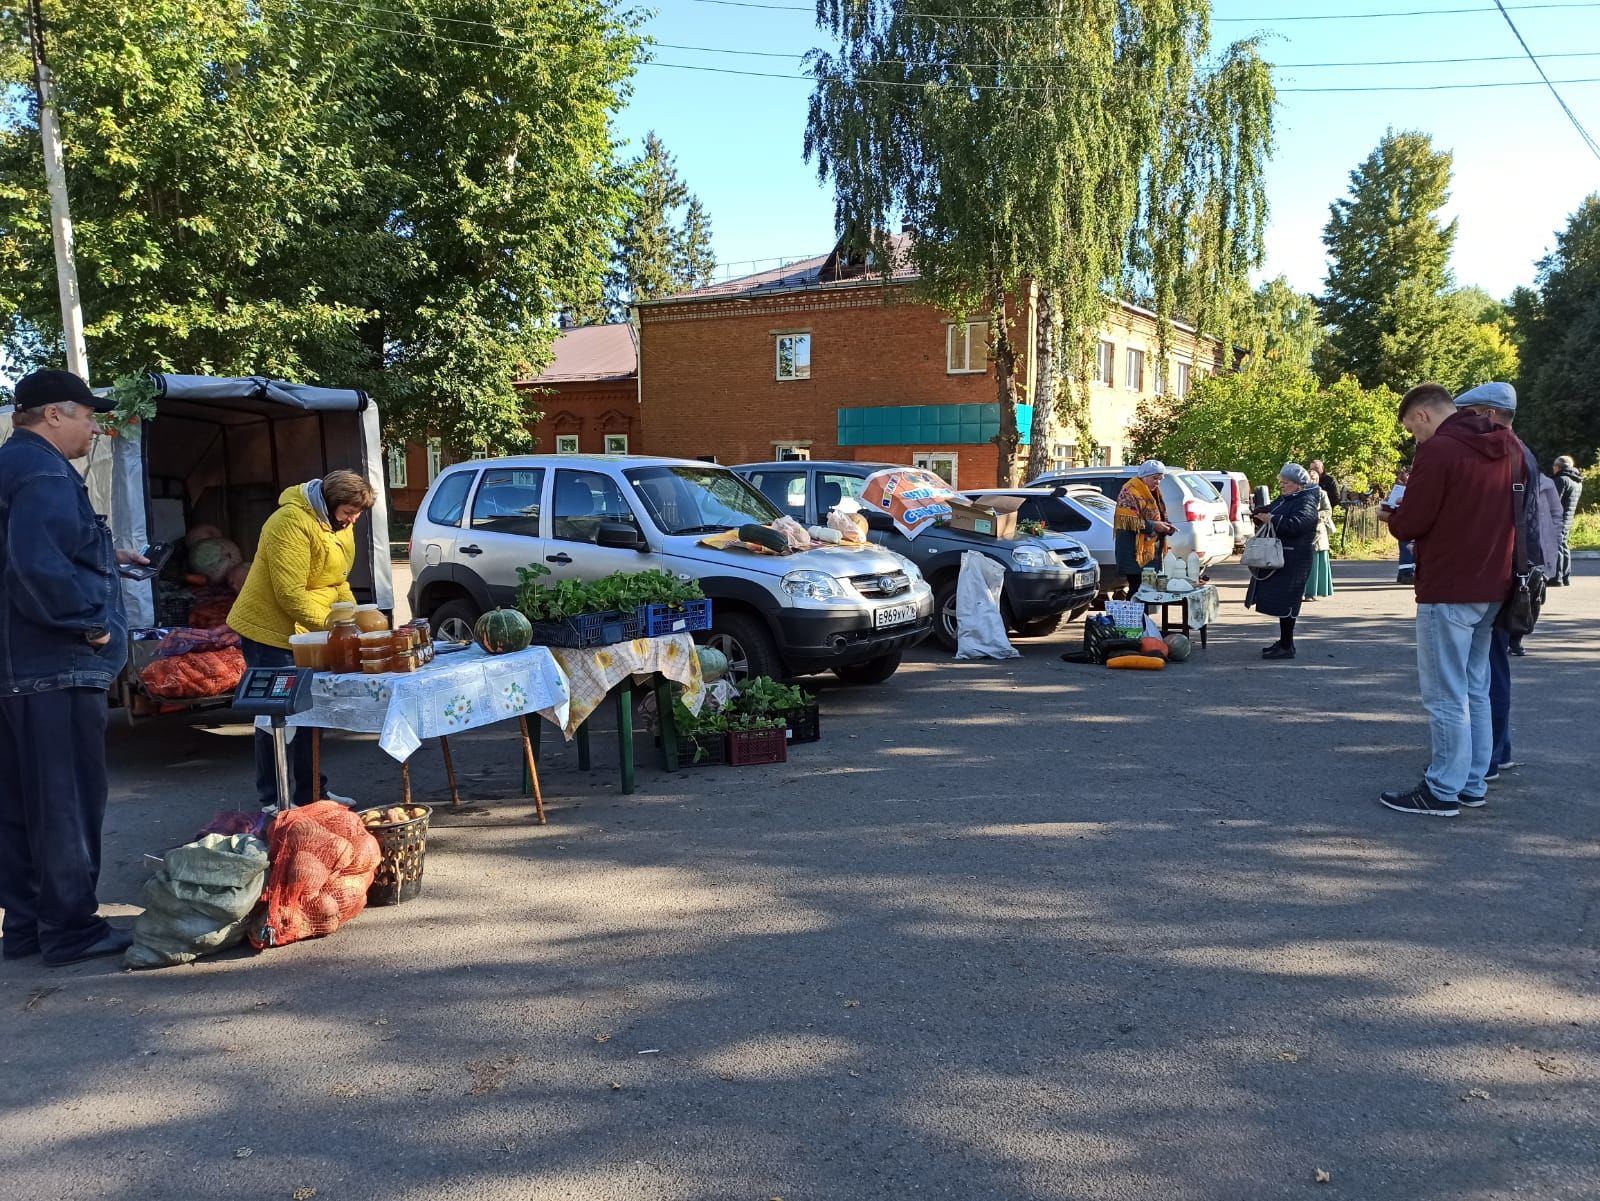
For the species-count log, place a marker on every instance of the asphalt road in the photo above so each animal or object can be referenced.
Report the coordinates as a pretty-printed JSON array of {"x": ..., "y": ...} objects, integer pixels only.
[{"x": 1016, "y": 930}]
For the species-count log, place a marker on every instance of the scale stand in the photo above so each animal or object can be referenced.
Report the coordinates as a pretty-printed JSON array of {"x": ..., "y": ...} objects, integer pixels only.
[{"x": 277, "y": 693}]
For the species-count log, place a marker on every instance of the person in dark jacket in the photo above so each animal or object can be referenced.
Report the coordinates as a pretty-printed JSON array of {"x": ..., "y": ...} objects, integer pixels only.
[
  {"x": 1327, "y": 483},
  {"x": 1569, "y": 486},
  {"x": 1457, "y": 510},
  {"x": 1295, "y": 516},
  {"x": 63, "y": 639}
]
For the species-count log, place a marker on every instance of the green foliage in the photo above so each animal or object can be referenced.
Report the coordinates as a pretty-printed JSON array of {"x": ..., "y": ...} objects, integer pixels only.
[
  {"x": 665, "y": 245},
  {"x": 1558, "y": 332},
  {"x": 1256, "y": 421},
  {"x": 1080, "y": 147},
  {"x": 1280, "y": 325},
  {"x": 761, "y": 696},
  {"x": 621, "y": 591},
  {"x": 344, "y": 196},
  {"x": 135, "y": 398}
]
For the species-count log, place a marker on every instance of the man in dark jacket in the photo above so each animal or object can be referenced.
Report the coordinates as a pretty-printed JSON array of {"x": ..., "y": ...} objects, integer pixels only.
[
  {"x": 1569, "y": 486},
  {"x": 1326, "y": 482},
  {"x": 63, "y": 639},
  {"x": 1457, "y": 510}
]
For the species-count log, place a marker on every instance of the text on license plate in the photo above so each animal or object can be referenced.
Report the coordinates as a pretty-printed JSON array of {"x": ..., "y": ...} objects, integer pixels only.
[{"x": 893, "y": 615}]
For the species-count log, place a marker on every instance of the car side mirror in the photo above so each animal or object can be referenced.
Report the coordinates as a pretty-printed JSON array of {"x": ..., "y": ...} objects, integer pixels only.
[
  {"x": 619, "y": 535},
  {"x": 877, "y": 519}
]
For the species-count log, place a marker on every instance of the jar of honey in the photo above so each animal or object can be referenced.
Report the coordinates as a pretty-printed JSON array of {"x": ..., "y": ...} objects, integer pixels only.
[
  {"x": 405, "y": 661},
  {"x": 340, "y": 611},
  {"x": 377, "y": 642},
  {"x": 370, "y": 618},
  {"x": 344, "y": 643},
  {"x": 375, "y": 667}
]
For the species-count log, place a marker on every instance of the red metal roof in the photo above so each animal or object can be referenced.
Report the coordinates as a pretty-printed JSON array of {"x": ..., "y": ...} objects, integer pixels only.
[
  {"x": 823, "y": 271},
  {"x": 592, "y": 352}
]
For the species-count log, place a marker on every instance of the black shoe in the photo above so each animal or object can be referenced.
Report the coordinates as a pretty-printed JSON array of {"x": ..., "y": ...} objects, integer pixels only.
[
  {"x": 1278, "y": 652},
  {"x": 12, "y": 947},
  {"x": 1518, "y": 651},
  {"x": 1420, "y": 800},
  {"x": 1467, "y": 801},
  {"x": 1267, "y": 650},
  {"x": 112, "y": 942},
  {"x": 1406, "y": 577}
]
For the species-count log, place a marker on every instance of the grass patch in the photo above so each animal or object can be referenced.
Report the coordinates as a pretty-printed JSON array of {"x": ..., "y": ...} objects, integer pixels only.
[{"x": 1585, "y": 532}]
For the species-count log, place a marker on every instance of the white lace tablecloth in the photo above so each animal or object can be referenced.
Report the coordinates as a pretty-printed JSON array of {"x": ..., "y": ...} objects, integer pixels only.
[
  {"x": 453, "y": 694},
  {"x": 1202, "y": 603}
]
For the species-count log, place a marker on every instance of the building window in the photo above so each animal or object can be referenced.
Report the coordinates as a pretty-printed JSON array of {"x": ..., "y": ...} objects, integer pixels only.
[
  {"x": 794, "y": 356},
  {"x": 1133, "y": 378},
  {"x": 566, "y": 444},
  {"x": 435, "y": 458},
  {"x": 1102, "y": 457},
  {"x": 1181, "y": 379},
  {"x": 1063, "y": 456},
  {"x": 1105, "y": 357},
  {"x": 616, "y": 444},
  {"x": 943, "y": 463},
  {"x": 397, "y": 467},
  {"x": 479, "y": 455},
  {"x": 791, "y": 452},
  {"x": 966, "y": 350}
]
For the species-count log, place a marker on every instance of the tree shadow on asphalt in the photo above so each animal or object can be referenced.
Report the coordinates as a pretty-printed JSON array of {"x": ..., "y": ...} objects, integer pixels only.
[{"x": 1145, "y": 935}]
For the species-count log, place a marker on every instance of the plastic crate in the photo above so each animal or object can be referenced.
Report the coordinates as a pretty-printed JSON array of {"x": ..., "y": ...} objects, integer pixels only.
[
  {"x": 747, "y": 748},
  {"x": 805, "y": 723},
  {"x": 661, "y": 620},
  {"x": 702, "y": 750},
  {"x": 588, "y": 629}
]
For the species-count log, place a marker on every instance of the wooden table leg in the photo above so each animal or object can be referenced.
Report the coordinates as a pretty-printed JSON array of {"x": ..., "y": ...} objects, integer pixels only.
[
  {"x": 317, "y": 790},
  {"x": 532, "y": 770},
  {"x": 625, "y": 732},
  {"x": 450, "y": 773},
  {"x": 667, "y": 723},
  {"x": 405, "y": 783}
]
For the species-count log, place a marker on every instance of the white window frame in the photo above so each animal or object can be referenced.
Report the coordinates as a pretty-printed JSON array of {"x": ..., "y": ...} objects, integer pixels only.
[
  {"x": 613, "y": 449},
  {"x": 1183, "y": 378},
  {"x": 1105, "y": 362},
  {"x": 959, "y": 333},
  {"x": 800, "y": 370},
  {"x": 799, "y": 452},
  {"x": 399, "y": 475},
  {"x": 924, "y": 459},
  {"x": 1102, "y": 457},
  {"x": 567, "y": 444},
  {"x": 1063, "y": 456},
  {"x": 435, "y": 459},
  {"x": 1133, "y": 369}
]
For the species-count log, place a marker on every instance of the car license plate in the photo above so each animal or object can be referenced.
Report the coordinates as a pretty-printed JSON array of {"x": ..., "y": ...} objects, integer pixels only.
[
  {"x": 1220, "y": 526},
  {"x": 893, "y": 615},
  {"x": 1083, "y": 579}
]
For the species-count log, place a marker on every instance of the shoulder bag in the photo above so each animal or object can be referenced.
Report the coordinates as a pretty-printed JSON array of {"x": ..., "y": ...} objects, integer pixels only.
[
  {"x": 1264, "y": 551},
  {"x": 1520, "y": 612}
]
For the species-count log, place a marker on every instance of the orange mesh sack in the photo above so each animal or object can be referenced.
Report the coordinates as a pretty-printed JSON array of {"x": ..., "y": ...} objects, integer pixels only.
[{"x": 323, "y": 861}]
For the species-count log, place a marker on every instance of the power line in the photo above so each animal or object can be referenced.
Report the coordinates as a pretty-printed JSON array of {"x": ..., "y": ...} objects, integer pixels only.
[
  {"x": 1539, "y": 67},
  {"x": 1261, "y": 20},
  {"x": 900, "y": 83}
]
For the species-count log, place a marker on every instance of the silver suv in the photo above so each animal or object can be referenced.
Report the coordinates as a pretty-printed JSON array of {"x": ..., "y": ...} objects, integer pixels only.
[{"x": 852, "y": 612}]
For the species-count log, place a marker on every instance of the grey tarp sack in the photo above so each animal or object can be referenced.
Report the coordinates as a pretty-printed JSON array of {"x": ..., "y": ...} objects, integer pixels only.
[
  {"x": 980, "y": 628},
  {"x": 199, "y": 900}
]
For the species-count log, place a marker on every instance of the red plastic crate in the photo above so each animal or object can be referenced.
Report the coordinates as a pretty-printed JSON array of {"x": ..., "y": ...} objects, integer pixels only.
[{"x": 747, "y": 748}]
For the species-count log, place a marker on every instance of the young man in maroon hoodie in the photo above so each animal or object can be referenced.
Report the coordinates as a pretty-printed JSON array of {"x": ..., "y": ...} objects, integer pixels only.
[{"x": 1457, "y": 510}]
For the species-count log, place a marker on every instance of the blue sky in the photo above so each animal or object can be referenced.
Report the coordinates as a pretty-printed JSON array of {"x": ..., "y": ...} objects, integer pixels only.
[{"x": 1520, "y": 167}]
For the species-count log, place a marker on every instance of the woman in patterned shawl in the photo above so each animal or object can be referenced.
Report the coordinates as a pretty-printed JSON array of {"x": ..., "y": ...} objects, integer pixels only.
[{"x": 1141, "y": 522}]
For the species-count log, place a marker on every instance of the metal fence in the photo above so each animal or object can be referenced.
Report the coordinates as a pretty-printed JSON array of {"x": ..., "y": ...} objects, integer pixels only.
[{"x": 1361, "y": 523}]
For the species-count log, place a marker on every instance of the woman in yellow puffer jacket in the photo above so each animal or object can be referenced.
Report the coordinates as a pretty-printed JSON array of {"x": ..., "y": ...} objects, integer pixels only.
[{"x": 301, "y": 567}]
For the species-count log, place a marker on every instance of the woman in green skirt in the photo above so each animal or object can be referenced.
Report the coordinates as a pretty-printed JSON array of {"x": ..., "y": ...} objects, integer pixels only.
[{"x": 1320, "y": 581}]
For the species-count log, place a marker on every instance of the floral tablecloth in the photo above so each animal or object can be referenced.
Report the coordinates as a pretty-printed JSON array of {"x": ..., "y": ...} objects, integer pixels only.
[
  {"x": 1202, "y": 603},
  {"x": 594, "y": 671},
  {"x": 453, "y": 694}
]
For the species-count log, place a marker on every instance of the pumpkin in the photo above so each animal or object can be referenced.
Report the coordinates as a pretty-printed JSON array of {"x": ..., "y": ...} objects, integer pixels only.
[
  {"x": 713, "y": 663},
  {"x": 1178, "y": 647},
  {"x": 503, "y": 631}
]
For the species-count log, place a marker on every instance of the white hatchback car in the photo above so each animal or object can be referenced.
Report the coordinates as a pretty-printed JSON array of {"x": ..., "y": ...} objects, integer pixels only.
[{"x": 1193, "y": 505}]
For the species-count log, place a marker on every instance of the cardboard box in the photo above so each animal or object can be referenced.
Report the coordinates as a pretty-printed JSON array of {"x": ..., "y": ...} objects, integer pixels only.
[
  {"x": 1005, "y": 515},
  {"x": 976, "y": 519}
]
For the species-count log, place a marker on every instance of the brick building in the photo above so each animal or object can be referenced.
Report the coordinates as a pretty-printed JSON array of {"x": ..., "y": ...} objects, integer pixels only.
[
  {"x": 588, "y": 398},
  {"x": 829, "y": 358}
]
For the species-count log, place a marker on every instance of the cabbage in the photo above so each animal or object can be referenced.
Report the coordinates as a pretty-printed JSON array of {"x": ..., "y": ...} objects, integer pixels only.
[
  {"x": 214, "y": 559},
  {"x": 199, "y": 534}
]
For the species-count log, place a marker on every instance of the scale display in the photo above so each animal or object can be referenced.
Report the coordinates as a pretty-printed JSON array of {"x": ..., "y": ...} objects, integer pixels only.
[{"x": 274, "y": 691}]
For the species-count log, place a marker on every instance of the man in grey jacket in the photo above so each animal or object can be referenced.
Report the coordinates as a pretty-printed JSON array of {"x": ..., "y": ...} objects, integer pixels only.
[
  {"x": 63, "y": 639},
  {"x": 1569, "y": 486}
]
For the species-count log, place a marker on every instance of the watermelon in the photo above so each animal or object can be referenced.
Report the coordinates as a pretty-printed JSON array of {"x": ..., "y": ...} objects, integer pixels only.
[
  {"x": 764, "y": 535},
  {"x": 1178, "y": 647},
  {"x": 503, "y": 631},
  {"x": 199, "y": 534}
]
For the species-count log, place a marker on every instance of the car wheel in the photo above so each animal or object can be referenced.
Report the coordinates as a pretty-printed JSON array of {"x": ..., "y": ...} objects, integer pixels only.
[
  {"x": 944, "y": 615},
  {"x": 1039, "y": 627},
  {"x": 747, "y": 644},
  {"x": 453, "y": 620},
  {"x": 873, "y": 671}
]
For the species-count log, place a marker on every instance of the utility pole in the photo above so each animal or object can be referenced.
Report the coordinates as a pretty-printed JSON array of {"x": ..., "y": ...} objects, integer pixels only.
[{"x": 55, "y": 173}]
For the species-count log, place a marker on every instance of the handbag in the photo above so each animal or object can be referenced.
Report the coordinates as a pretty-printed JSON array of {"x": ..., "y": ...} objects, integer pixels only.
[
  {"x": 1520, "y": 612},
  {"x": 1263, "y": 551}
]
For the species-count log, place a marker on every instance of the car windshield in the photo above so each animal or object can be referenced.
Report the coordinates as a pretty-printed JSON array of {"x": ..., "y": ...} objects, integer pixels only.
[
  {"x": 1198, "y": 486},
  {"x": 1095, "y": 502},
  {"x": 698, "y": 500}
]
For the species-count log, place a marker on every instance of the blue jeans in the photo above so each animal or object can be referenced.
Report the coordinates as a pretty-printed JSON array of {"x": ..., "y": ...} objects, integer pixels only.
[
  {"x": 258, "y": 654},
  {"x": 1500, "y": 696},
  {"x": 1453, "y": 672}
]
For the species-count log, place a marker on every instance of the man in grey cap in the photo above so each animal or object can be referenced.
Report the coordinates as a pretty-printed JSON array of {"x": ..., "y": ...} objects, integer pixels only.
[
  {"x": 63, "y": 639},
  {"x": 1498, "y": 402}
]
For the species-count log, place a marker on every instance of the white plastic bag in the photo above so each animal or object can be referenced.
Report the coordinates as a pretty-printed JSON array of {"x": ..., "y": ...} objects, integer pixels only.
[
  {"x": 794, "y": 532},
  {"x": 980, "y": 630}
]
